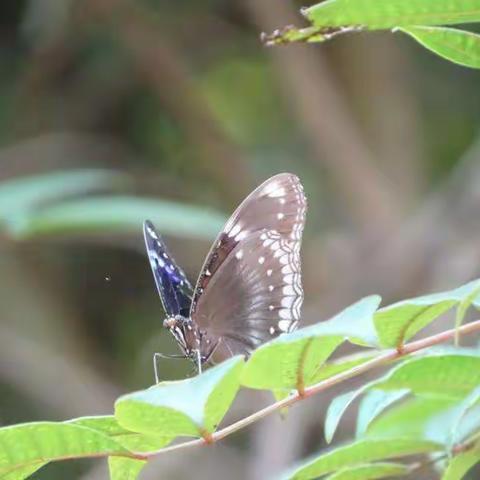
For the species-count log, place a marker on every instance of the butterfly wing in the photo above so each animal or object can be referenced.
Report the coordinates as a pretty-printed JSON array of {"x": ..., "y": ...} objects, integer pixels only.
[
  {"x": 250, "y": 287},
  {"x": 172, "y": 284}
]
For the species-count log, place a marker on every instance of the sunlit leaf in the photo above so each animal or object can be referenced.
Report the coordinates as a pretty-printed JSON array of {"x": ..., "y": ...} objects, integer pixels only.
[
  {"x": 109, "y": 426},
  {"x": 120, "y": 214},
  {"x": 191, "y": 407},
  {"x": 360, "y": 453},
  {"x": 398, "y": 322},
  {"x": 370, "y": 472},
  {"x": 453, "y": 44},
  {"x": 375, "y": 14},
  {"x": 297, "y": 356},
  {"x": 450, "y": 375},
  {"x": 42, "y": 441}
]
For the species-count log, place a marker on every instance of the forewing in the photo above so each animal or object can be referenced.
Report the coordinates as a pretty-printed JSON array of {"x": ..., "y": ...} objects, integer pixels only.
[
  {"x": 277, "y": 205},
  {"x": 172, "y": 284},
  {"x": 250, "y": 289}
]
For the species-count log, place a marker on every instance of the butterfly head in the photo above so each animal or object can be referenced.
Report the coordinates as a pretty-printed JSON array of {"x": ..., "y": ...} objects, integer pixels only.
[{"x": 189, "y": 337}]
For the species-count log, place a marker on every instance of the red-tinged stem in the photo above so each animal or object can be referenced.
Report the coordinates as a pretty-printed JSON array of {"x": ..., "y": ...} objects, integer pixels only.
[{"x": 385, "y": 357}]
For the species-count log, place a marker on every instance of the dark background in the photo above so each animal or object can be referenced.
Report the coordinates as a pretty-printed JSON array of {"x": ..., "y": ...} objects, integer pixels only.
[{"x": 183, "y": 100}]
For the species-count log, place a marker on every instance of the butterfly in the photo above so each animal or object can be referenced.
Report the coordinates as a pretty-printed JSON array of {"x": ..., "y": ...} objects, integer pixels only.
[{"x": 249, "y": 289}]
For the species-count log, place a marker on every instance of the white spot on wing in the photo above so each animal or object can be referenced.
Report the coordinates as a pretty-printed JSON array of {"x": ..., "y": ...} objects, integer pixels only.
[
  {"x": 284, "y": 325},
  {"x": 261, "y": 260},
  {"x": 239, "y": 255}
]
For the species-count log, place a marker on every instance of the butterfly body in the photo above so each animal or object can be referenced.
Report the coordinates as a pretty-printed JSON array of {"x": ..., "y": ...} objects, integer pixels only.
[{"x": 249, "y": 289}]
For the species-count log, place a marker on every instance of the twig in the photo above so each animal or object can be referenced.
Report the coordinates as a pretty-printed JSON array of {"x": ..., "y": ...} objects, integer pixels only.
[{"x": 386, "y": 357}]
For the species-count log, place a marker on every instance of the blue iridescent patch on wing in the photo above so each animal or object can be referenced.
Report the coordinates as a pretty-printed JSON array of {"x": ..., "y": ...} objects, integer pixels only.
[{"x": 172, "y": 284}]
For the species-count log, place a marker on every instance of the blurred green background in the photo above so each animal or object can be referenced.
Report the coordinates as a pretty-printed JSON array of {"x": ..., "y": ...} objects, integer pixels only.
[{"x": 112, "y": 111}]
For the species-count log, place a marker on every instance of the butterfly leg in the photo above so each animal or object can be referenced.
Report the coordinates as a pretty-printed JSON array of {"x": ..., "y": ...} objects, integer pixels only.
[
  {"x": 212, "y": 351},
  {"x": 156, "y": 356},
  {"x": 199, "y": 361}
]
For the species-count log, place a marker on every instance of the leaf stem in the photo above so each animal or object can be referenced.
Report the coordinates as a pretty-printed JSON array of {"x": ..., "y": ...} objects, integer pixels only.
[{"x": 386, "y": 357}]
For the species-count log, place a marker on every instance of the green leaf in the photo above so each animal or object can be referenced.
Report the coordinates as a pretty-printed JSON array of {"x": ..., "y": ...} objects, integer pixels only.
[
  {"x": 337, "y": 408},
  {"x": 427, "y": 418},
  {"x": 26, "y": 193},
  {"x": 465, "y": 410},
  {"x": 191, "y": 407},
  {"x": 370, "y": 472},
  {"x": 359, "y": 453},
  {"x": 133, "y": 441},
  {"x": 343, "y": 364},
  {"x": 450, "y": 375},
  {"x": 106, "y": 424},
  {"x": 22, "y": 472},
  {"x": 398, "y": 322},
  {"x": 460, "y": 464},
  {"x": 120, "y": 213},
  {"x": 42, "y": 441},
  {"x": 373, "y": 404},
  {"x": 462, "y": 308},
  {"x": 378, "y": 14},
  {"x": 458, "y": 46},
  {"x": 297, "y": 356},
  {"x": 122, "y": 468},
  {"x": 410, "y": 419},
  {"x": 125, "y": 468}
]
